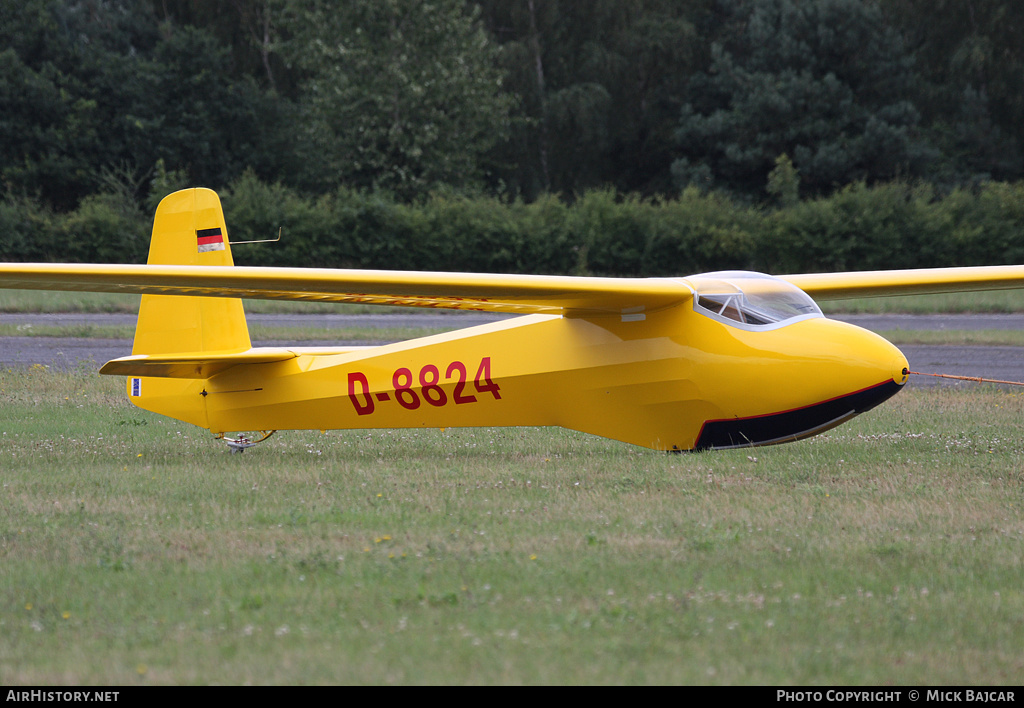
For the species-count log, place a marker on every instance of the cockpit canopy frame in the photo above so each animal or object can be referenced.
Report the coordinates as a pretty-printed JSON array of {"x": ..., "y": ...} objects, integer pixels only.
[{"x": 751, "y": 301}]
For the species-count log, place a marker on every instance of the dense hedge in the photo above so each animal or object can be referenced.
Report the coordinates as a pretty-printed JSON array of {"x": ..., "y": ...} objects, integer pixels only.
[{"x": 888, "y": 226}]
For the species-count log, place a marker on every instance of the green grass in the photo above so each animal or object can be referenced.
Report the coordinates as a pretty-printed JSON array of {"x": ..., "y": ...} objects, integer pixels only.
[
  {"x": 136, "y": 550},
  {"x": 85, "y": 331},
  {"x": 257, "y": 332},
  {"x": 51, "y": 301}
]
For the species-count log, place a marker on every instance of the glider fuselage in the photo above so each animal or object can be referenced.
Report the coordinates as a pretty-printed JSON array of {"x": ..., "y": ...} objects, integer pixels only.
[{"x": 676, "y": 379}]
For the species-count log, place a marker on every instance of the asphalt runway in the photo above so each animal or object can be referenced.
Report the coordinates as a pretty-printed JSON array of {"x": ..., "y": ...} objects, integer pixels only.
[{"x": 995, "y": 362}]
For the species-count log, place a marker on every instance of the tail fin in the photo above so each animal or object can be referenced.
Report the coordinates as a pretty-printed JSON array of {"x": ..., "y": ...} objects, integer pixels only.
[{"x": 189, "y": 229}]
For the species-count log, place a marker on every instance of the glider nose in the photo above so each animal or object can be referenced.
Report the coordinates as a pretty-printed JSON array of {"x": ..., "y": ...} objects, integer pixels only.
[
  {"x": 826, "y": 371},
  {"x": 900, "y": 370}
]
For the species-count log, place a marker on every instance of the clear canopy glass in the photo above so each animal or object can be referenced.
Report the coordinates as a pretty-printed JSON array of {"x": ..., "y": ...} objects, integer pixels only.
[{"x": 751, "y": 299}]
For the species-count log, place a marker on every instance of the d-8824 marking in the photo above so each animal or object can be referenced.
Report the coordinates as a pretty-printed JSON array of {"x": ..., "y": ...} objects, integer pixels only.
[{"x": 429, "y": 389}]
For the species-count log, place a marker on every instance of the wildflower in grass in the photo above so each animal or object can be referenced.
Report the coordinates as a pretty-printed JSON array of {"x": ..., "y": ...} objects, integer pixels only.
[
  {"x": 533, "y": 557},
  {"x": 28, "y": 605},
  {"x": 65, "y": 614},
  {"x": 141, "y": 669}
]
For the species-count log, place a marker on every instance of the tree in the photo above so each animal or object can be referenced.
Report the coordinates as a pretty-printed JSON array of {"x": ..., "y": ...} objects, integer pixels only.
[
  {"x": 250, "y": 29},
  {"x": 600, "y": 84},
  {"x": 402, "y": 95},
  {"x": 971, "y": 56},
  {"x": 825, "y": 82},
  {"x": 191, "y": 112},
  {"x": 55, "y": 128},
  {"x": 90, "y": 88}
]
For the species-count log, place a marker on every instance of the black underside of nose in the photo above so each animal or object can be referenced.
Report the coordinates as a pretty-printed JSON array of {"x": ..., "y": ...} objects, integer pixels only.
[{"x": 793, "y": 424}]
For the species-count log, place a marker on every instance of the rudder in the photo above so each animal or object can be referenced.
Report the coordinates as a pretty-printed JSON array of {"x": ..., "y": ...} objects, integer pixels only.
[{"x": 189, "y": 229}]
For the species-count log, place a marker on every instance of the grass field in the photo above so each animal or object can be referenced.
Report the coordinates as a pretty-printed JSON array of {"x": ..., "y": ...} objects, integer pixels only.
[
  {"x": 136, "y": 550},
  {"x": 52, "y": 301},
  {"x": 257, "y": 332}
]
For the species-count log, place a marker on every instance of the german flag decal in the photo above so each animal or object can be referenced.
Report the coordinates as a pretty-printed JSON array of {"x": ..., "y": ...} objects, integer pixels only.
[{"x": 210, "y": 240}]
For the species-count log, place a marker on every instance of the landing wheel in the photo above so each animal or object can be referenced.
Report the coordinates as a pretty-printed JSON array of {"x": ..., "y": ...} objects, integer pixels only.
[{"x": 242, "y": 442}]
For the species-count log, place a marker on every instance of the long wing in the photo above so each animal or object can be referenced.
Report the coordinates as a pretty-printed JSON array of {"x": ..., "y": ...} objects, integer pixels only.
[
  {"x": 522, "y": 294},
  {"x": 837, "y": 286},
  {"x": 460, "y": 291}
]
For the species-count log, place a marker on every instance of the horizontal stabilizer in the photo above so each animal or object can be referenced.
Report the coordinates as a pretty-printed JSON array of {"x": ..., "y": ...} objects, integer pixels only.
[{"x": 192, "y": 365}]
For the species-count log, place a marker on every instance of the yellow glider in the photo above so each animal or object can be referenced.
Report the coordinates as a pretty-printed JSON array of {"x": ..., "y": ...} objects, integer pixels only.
[{"x": 709, "y": 361}]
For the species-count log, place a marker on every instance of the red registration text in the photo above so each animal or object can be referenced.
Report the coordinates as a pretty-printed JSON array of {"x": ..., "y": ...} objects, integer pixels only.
[{"x": 411, "y": 391}]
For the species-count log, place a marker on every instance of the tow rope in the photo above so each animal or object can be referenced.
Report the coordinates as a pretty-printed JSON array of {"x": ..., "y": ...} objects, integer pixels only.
[{"x": 976, "y": 379}]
